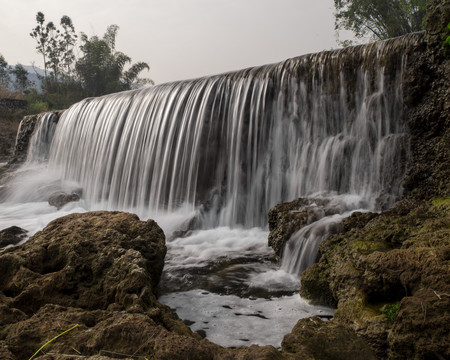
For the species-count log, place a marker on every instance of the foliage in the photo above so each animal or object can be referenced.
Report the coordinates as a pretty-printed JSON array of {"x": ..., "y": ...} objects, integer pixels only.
[
  {"x": 21, "y": 82},
  {"x": 56, "y": 47},
  {"x": 380, "y": 19},
  {"x": 390, "y": 311},
  {"x": 67, "y": 44},
  {"x": 4, "y": 73},
  {"x": 447, "y": 40},
  {"x": 37, "y": 107},
  {"x": 98, "y": 71},
  {"x": 101, "y": 69},
  {"x": 42, "y": 33}
]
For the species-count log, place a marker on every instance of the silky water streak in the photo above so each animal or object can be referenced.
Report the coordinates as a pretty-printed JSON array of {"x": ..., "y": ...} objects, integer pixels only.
[{"x": 236, "y": 144}]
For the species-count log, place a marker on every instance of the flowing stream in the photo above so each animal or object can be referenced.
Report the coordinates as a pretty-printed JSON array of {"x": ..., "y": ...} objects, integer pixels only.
[{"x": 207, "y": 158}]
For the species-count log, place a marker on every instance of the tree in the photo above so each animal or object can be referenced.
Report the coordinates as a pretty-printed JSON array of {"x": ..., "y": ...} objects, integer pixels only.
[
  {"x": 101, "y": 69},
  {"x": 67, "y": 44},
  {"x": 56, "y": 46},
  {"x": 4, "y": 73},
  {"x": 380, "y": 19},
  {"x": 21, "y": 81},
  {"x": 41, "y": 34}
]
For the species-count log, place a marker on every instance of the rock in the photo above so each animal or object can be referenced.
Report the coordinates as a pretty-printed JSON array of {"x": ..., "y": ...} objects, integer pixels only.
[
  {"x": 388, "y": 279},
  {"x": 96, "y": 273},
  {"x": 60, "y": 198},
  {"x": 286, "y": 218},
  {"x": 313, "y": 338},
  {"x": 426, "y": 93},
  {"x": 24, "y": 134},
  {"x": 12, "y": 236}
]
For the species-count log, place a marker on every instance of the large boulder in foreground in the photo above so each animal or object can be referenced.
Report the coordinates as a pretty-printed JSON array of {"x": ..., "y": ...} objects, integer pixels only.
[
  {"x": 97, "y": 270},
  {"x": 94, "y": 260}
]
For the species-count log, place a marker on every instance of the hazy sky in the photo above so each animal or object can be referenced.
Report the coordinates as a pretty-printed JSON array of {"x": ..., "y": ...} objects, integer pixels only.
[{"x": 181, "y": 39}]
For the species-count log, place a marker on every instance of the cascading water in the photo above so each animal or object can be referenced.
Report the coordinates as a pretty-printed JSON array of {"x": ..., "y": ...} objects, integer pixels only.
[
  {"x": 240, "y": 143},
  {"x": 39, "y": 147},
  {"x": 218, "y": 152}
]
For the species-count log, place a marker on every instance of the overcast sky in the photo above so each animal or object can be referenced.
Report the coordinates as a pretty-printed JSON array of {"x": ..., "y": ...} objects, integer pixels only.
[{"x": 181, "y": 39}]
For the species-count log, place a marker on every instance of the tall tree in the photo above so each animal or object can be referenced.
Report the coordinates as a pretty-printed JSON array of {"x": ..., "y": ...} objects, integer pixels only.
[
  {"x": 4, "y": 73},
  {"x": 379, "y": 19},
  {"x": 41, "y": 34},
  {"x": 102, "y": 68},
  {"x": 67, "y": 44},
  {"x": 21, "y": 81},
  {"x": 55, "y": 45}
]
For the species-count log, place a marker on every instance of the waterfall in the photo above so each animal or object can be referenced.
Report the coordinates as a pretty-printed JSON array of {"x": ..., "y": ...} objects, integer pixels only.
[
  {"x": 236, "y": 144},
  {"x": 212, "y": 155},
  {"x": 41, "y": 140}
]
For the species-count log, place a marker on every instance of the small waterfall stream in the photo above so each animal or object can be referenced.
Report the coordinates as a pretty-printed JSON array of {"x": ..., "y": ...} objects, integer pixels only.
[
  {"x": 41, "y": 140},
  {"x": 211, "y": 156}
]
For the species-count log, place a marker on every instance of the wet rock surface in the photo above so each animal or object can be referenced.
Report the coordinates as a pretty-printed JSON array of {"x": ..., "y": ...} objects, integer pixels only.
[
  {"x": 12, "y": 236},
  {"x": 286, "y": 218},
  {"x": 313, "y": 338},
  {"x": 25, "y": 132},
  {"x": 61, "y": 198},
  {"x": 389, "y": 279},
  {"x": 427, "y": 95}
]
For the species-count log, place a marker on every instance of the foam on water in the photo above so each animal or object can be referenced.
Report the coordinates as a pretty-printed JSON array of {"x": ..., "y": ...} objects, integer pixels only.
[
  {"x": 206, "y": 245},
  {"x": 230, "y": 320}
]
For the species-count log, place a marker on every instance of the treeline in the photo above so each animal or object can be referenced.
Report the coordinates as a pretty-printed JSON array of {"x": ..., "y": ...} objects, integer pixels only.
[
  {"x": 380, "y": 19},
  {"x": 75, "y": 67}
]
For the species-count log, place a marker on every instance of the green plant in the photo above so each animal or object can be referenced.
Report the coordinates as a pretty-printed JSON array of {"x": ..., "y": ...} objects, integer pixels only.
[
  {"x": 37, "y": 107},
  {"x": 447, "y": 41},
  {"x": 390, "y": 310},
  {"x": 48, "y": 342}
]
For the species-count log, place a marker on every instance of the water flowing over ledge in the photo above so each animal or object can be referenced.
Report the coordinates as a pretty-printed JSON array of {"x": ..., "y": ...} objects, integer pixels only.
[
  {"x": 238, "y": 143},
  {"x": 221, "y": 151}
]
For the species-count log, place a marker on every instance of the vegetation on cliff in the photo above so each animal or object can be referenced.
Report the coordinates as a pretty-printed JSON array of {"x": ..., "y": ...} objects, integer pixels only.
[{"x": 379, "y": 20}]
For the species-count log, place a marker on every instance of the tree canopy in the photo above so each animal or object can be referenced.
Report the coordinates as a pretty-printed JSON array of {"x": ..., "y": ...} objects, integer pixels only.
[
  {"x": 100, "y": 68},
  {"x": 21, "y": 82},
  {"x": 380, "y": 19},
  {"x": 4, "y": 73}
]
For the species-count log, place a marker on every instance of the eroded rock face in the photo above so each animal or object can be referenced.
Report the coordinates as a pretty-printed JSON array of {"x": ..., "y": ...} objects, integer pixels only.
[
  {"x": 427, "y": 95},
  {"x": 388, "y": 275},
  {"x": 313, "y": 338},
  {"x": 286, "y": 218},
  {"x": 26, "y": 130}
]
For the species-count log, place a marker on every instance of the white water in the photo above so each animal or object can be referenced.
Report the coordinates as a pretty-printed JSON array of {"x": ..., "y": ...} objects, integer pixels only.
[
  {"x": 233, "y": 321},
  {"x": 219, "y": 152}
]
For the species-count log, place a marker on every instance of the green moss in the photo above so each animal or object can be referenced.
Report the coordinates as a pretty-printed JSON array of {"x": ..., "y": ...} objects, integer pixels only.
[
  {"x": 441, "y": 206},
  {"x": 390, "y": 311}
]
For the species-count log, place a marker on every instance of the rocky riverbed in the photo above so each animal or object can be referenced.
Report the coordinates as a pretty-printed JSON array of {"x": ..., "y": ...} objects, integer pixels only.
[{"x": 98, "y": 273}]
